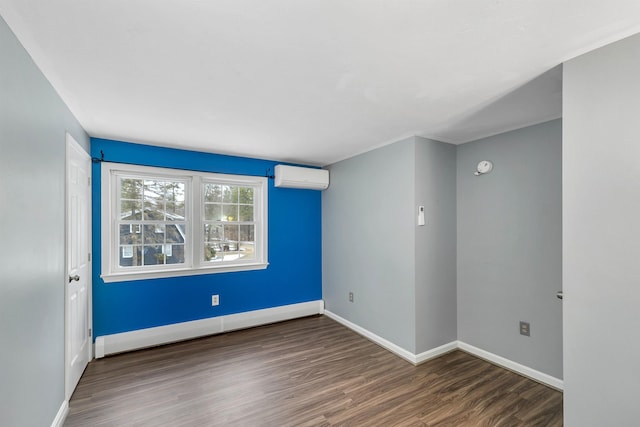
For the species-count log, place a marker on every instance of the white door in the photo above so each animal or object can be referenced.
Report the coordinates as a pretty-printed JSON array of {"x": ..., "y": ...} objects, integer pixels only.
[{"x": 78, "y": 284}]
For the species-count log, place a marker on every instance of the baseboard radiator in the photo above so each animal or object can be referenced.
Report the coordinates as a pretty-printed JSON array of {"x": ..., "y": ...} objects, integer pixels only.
[{"x": 150, "y": 337}]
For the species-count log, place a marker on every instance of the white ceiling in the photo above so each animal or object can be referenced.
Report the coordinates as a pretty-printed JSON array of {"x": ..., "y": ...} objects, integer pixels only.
[{"x": 310, "y": 81}]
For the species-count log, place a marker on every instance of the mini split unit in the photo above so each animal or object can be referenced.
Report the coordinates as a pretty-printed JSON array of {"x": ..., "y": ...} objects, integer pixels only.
[{"x": 297, "y": 177}]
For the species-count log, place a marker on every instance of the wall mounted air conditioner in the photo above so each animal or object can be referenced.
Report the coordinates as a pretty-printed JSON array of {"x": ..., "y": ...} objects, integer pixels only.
[{"x": 298, "y": 177}]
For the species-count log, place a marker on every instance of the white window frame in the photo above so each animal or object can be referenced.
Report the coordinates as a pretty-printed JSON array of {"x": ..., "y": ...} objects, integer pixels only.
[{"x": 195, "y": 263}]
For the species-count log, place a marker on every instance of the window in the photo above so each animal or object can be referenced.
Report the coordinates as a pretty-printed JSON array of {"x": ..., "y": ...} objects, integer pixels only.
[
  {"x": 150, "y": 215},
  {"x": 229, "y": 226},
  {"x": 161, "y": 222}
]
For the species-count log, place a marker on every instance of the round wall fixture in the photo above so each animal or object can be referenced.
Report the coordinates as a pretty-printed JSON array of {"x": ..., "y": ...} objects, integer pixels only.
[{"x": 485, "y": 166}]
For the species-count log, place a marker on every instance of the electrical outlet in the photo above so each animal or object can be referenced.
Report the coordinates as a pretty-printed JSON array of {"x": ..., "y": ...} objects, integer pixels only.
[
  {"x": 215, "y": 300},
  {"x": 350, "y": 296},
  {"x": 525, "y": 329}
]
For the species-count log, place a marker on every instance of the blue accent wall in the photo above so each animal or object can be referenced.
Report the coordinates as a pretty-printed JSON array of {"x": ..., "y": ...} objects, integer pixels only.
[{"x": 294, "y": 249}]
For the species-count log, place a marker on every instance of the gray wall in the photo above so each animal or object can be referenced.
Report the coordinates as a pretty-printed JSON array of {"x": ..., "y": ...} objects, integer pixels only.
[
  {"x": 33, "y": 121},
  {"x": 368, "y": 239},
  {"x": 435, "y": 177},
  {"x": 509, "y": 245},
  {"x": 601, "y": 226},
  {"x": 403, "y": 276}
]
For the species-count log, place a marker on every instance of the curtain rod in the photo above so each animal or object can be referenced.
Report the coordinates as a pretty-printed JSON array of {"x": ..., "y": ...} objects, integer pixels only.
[{"x": 101, "y": 159}]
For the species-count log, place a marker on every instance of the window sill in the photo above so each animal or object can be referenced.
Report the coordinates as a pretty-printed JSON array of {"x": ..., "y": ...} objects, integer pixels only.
[{"x": 160, "y": 274}]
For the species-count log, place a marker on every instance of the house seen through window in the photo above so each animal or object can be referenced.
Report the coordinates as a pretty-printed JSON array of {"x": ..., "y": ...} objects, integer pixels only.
[{"x": 152, "y": 224}]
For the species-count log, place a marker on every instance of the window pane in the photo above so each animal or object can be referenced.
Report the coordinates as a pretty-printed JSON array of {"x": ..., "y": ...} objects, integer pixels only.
[
  {"x": 131, "y": 189},
  {"x": 153, "y": 255},
  {"x": 247, "y": 233},
  {"x": 153, "y": 210},
  {"x": 212, "y": 233},
  {"x": 130, "y": 210},
  {"x": 130, "y": 256},
  {"x": 231, "y": 252},
  {"x": 163, "y": 199},
  {"x": 212, "y": 193},
  {"x": 212, "y": 212},
  {"x": 175, "y": 233},
  {"x": 127, "y": 251},
  {"x": 229, "y": 194},
  {"x": 246, "y": 213},
  {"x": 154, "y": 188},
  {"x": 130, "y": 234},
  {"x": 211, "y": 252},
  {"x": 229, "y": 212},
  {"x": 153, "y": 234},
  {"x": 230, "y": 247},
  {"x": 174, "y": 191},
  {"x": 247, "y": 251},
  {"x": 175, "y": 211},
  {"x": 246, "y": 195},
  {"x": 174, "y": 254},
  {"x": 230, "y": 232}
]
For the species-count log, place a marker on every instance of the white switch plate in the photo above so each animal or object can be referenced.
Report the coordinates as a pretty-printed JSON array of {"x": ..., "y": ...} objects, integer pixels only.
[{"x": 215, "y": 300}]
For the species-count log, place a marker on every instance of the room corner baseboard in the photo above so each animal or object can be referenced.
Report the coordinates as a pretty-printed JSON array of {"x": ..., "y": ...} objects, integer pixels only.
[
  {"x": 446, "y": 348},
  {"x": 396, "y": 349},
  {"x": 435, "y": 352},
  {"x": 393, "y": 348},
  {"x": 58, "y": 421},
  {"x": 535, "y": 375},
  {"x": 149, "y": 337}
]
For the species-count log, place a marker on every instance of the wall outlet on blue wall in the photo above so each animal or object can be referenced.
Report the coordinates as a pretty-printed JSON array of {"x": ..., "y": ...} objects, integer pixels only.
[{"x": 215, "y": 300}]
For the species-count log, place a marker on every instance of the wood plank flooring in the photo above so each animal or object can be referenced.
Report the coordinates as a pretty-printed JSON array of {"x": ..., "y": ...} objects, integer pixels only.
[{"x": 305, "y": 372}]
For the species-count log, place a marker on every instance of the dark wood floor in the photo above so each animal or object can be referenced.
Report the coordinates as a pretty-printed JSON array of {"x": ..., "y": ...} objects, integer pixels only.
[{"x": 305, "y": 372}]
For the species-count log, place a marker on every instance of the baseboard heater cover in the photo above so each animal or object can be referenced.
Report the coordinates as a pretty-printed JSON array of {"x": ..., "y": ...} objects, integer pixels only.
[{"x": 150, "y": 337}]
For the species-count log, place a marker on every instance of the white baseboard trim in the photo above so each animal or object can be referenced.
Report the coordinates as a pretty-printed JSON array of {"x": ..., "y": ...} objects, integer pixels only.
[
  {"x": 58, "y": 421},
  {"x": 435, "y": 352},
  {"x": 149, "y": 337},
  {"x": 541, "y": 377},
  {"x": 446, "y": 348},
  {"x": 135, "y": 340},
  {"x": 397, "y": 350}
]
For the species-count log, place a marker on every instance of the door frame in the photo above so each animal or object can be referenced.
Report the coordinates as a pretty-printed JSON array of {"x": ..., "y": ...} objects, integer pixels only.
[{"x": 71, "y": 143}]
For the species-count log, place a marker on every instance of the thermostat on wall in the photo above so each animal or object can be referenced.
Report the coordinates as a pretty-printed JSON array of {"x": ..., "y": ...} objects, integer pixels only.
[{"x": 420, "y": 215}]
